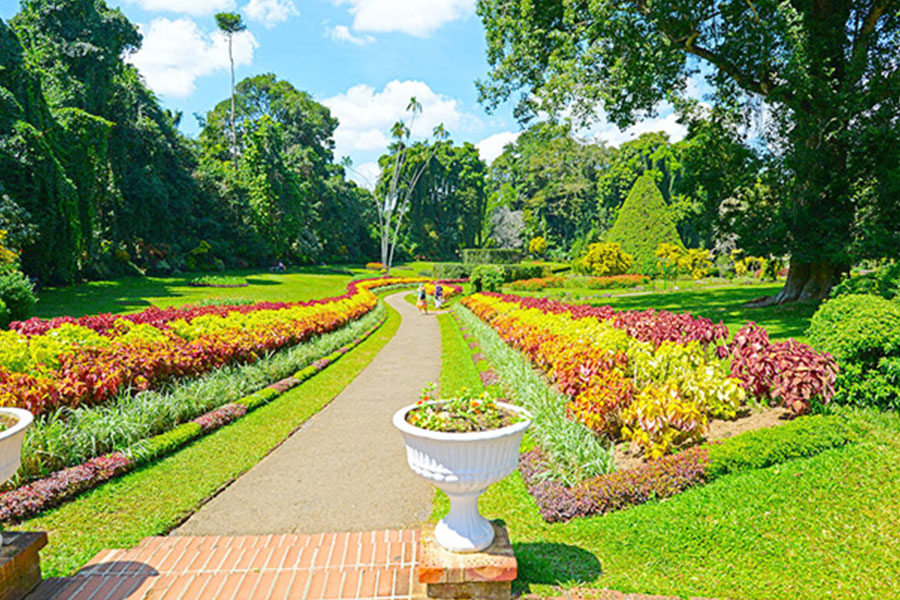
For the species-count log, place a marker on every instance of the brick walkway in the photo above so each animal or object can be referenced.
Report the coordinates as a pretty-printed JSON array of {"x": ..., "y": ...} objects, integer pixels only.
[{"x": 372, "y": 565}]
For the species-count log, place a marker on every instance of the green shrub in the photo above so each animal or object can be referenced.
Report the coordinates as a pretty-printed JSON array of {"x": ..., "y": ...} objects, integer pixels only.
[
  {"x": 606, "y": 259},
  {"x": 878, "y": 387},
  {"x": 521, "y": 271},
  {"x": 17, "y": 293},
  {"x": 857, "y": 329},
  {"x": 884, "y": 282},
  {"x": 800, "y": 438},
  {"x": 491, "y": 256},
  {"x": 451, "y": 270},
  {"x": 4, "y": 315},
  {"x": 644, "y": 222},
  {"x": 488, "y": 278},
  {"x": 159, "y": 445}
]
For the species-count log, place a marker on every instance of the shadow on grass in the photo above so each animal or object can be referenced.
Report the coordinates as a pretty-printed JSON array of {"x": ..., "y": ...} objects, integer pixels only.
[
  {"x": 552, "y": 563},
  {"x": 258, "y": 281}
]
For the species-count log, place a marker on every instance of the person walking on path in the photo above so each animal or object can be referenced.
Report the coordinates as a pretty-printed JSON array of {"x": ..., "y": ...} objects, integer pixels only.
[
  {"x": 422, "y": 301},
  {"x": 438, "y": 295}
]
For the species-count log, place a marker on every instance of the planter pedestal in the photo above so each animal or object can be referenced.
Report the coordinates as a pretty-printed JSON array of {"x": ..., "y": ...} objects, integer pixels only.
[
  {"x": 485, "y": 575},
  {"x": 20, "y": 565}
]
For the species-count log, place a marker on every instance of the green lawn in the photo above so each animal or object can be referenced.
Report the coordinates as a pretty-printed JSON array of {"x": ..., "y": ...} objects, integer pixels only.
[
  {"x": 721, "y": 303},
  {"x": 132, "y": 294},
  {"x": 153, "y": 500},
  {"x": 813, "y": 528},
  {"x": 824, "y": 527},
  {"x": 457, "y": 369}
]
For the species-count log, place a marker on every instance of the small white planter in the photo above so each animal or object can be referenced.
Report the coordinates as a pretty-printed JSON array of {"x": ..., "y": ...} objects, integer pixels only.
[
  {"x": 11, "y": 443},
  {"x": 463, "y": 465}
]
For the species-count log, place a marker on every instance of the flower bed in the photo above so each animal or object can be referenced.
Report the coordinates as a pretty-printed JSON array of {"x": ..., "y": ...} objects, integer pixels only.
[
  {"x": 537, "y": 284},
  {"x": 66, "y": 362},
  {"x": 652, "y": 377},
  {"x": 33, "y": 498}
]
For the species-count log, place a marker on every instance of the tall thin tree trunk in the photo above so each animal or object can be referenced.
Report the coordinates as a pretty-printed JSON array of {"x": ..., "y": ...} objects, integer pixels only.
[{"x": 233, "y": 128}]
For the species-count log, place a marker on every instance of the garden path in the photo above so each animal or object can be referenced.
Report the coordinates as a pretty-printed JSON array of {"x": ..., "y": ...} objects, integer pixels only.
[{"x": 345, "y": 469}]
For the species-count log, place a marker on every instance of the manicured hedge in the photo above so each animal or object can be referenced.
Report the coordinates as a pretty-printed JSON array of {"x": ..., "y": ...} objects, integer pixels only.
[
  {"x": 495, "y": 256},
  {"x": 801, "y": 438},
  {"x": 863, "y": 333},
  {"x": 451, "y": 270},
  {"x": 857, "y": 328},
  {"x": 644, "y": 222}
]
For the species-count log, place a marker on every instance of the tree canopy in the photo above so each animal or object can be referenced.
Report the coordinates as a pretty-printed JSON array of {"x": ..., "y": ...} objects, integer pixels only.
[{"x": 825, "y": 73}]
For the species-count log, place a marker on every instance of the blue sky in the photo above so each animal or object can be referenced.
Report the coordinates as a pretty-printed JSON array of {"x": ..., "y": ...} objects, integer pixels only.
[{"x": 362, "y": 58}]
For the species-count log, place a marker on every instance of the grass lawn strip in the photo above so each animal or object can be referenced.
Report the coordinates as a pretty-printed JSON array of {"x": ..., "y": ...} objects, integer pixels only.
[
  {"x": 155, "y": 498},
  {"x": 457, "y": 369}
]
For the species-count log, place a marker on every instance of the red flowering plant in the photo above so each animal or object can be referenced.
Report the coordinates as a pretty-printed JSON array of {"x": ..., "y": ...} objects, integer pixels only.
[{"x": 791, "y": 373}]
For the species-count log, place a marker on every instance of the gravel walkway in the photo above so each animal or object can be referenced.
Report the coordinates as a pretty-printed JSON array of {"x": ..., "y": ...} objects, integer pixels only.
[{"x": 345, "y": 469}]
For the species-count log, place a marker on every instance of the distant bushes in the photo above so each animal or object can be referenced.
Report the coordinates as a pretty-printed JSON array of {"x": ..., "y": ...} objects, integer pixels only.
[
  {"x": 490, "y": 256},
  {"x": 492, "y": 277},
  {"x": 884, "y": 282},
  {"x": 451, "y": 270}
]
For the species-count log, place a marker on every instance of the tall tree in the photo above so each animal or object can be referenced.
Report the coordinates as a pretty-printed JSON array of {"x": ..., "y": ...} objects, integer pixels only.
[
  {"x": 287, "y": 195},
  {"x": 447, "y": 208},
  {"x": 826, "y": 72},
  {"x": 553, "y": 178},
  {"x": 398, "y": 182},
  {"x": 231, "y": 24}
]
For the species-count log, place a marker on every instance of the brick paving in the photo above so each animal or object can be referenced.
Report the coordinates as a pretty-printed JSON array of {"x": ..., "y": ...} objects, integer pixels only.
[{"x": 371, "y": 565}]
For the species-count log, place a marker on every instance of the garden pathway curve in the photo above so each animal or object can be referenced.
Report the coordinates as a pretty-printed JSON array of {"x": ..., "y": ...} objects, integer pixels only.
[{"x": 345, "y": 469}]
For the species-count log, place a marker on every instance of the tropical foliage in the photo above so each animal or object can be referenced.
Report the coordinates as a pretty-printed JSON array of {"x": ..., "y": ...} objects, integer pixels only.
[{"x": 654, "y": 377}]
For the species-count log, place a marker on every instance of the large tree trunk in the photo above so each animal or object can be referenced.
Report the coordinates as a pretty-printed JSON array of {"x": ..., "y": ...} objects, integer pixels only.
[{"x": 806, "y": 281}]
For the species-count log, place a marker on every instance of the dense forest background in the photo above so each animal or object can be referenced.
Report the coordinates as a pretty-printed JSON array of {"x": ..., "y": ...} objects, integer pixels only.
[{"x": 96, "y": 181}]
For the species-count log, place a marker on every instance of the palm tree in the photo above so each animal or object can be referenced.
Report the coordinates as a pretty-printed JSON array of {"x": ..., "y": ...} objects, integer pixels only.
[
  {"x": 395, "y": 204},
  {"x": 230, "y": 24}
]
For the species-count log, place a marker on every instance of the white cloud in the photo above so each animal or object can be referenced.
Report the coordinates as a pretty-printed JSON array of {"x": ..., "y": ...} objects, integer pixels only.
[
  {"x": 191, "y": 7},
  {"x": 341, "y": 33},
  {"x": 365, "y": 174},
  {"x": 492, "y": 146},
  {"x": 414, "y": 17},
  {"x": 612, "y": 135},
  {"x": 366, "y": 115},
  {"x": 271, "y": 12},
  {"x": 177, "y": 52}
]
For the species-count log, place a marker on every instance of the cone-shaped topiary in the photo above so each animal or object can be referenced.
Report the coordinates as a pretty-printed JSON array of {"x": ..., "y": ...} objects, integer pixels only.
[{"x": 644, "y": 223}]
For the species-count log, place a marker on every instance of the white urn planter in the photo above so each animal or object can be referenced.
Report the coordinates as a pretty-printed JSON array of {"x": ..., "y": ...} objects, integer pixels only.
[
  {"x": 11, "y": 443},
  {"x": 463, "y": 465}
]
